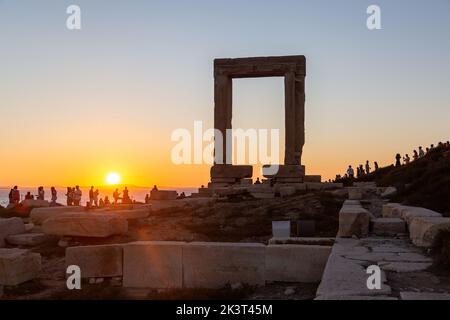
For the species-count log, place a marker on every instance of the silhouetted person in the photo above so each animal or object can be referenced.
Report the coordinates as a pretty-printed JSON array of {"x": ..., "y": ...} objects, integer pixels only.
[
  {"x": 147, "y": 198},
  {"x": 101, "y": 203},
  {"x": 29, "y": 196},
  {"x": 427, "y": 150},
  {"x": 415, "y": 155},
  {"x": 155, "y": 188},
  {"x": 375, "y": 165},
  {"x": 126, "y": 196},
  {"x": 77, "y": 194},
  {"x": 257, "y": 181},
  {"x": 421, "y": 153},
  {"x": 96, "y": 194},
  {"x": 54, "y": 195},
  {"x": 41, "y": 193},
  {"x": 350, "y": 172},
  {"x": 398, "y": 157},
  {"x": 367, "y": 167},
  {"x": 116, "y": 196},
  {"x": 107, "y": 202},
  {"x": 69, "y": 196},
  {"x": 361, "y": 170},
  {"x": 406, "y": 159},
  {"x": 91, "y": 195}
]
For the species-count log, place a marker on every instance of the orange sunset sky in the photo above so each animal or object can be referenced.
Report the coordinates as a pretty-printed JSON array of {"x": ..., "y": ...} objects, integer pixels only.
[{"x": 77, "y": 105}]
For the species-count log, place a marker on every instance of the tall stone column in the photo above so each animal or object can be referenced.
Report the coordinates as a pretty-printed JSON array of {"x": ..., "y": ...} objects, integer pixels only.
[
  {"x": 290, "y": 118},
  {"x": 222, "y": 117},
  {"x": 299, "y": 117}
]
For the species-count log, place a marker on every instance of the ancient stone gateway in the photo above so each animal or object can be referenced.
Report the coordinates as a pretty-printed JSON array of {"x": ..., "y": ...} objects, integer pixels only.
[{"x": 293, "y": 69}]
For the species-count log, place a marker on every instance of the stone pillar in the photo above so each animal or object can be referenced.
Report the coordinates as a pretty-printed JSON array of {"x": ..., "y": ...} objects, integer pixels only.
[
  {"x": 299, "y": 117},
  {"x": 222, "y": 116},
  {"x": 289, "y": 118}
]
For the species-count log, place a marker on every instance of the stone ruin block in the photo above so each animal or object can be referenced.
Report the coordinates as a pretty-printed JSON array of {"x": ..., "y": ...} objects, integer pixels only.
[
  {"x": 153, "y": 264},
  {"x": 18, "y": 266},
  {"x": 102, "y": 261},
  {"x": 213, "y": 265},
  {"x": 231, "y": 171},
  {"x": 296, "y": 263},
  {"x": 85, "y": 225},
  {"x": 388, "y": 226},
  {"x": 163, "y": 195},
  {"x": 425, "y": 231},
  {"x": 28, "y": 239},
  {"x": 281, "y": 229},
  {"x": 287, "y": 191},
  {"x": 10, "y": 226},
  {"x": 353, "y": 221},
  {"x": 355, "y": 193},
  {"x": 39, "y": 215}
]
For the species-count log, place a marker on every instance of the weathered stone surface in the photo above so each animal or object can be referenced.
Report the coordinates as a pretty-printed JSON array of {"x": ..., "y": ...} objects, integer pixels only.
[
  {"x": 312, "y": 178},
  {"x": 389, "y": 192},
  {"x": 354, "y": 193},
  {"x": 39, "y": 215},
  {"x": 405, "y": 266},
  {"x": 101, "y": 261},
  {"x": 391, "y": 210},
  {"x": 85, "y": 225},
  {"x": 154, "y": 264},
  {"x": 10, "y": 226},
  {"x": 296, "y": 263},
  {"x": 312, "y": 186},
  {"x": 287, "y": 191},
  {"x": 140, "y": 213},
  {"x": 281, "y": 229},
  {"x": 29, "y": 203},
  {"x": 18, "y": 266},
  {"x": 213, "y": 264},
  {"x": 303, "y": 240},
  {"x": 408, "y": 213},
  {"x": 352, "y": 203},
  {"x": 28, "y": 239},
  {"x": 388, "y": 226},
  {"x": 345, "y": 276},
  {"x": 163, "y": 195},
  {"x": 231, "y": 171},
  {"x": 424, "y": 231},
  {"x": 353, "y": 221},
  {"x": 406, "y": 295},
  {"x": 284, "y": 171}
]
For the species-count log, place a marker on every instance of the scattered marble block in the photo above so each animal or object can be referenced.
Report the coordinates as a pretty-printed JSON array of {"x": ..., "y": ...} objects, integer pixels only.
[
  {"x": 18, "y": 266},
  {"x": 408, "y": 213},
  {"x": 10, "y": 226},
  {"x": 163, "y": 195},
  {"x": 292, "y": 171},
  {"x": 425, "y": 231},
  {"x": 353, "y": 221},
  {"x": 391, "y": 210},
  {"x": 29, "y": 203},
  {"x": 85, "y": 225},
  {"x": 355, "y": 193},
  {"x": 405, "y": 295},
  {"x": 296, "y": 263},
  {"x": 281, "y": 229},
  {"x": 39, "y": 215},
  {"x": 388, "y": 226},
  {"x": 154, "y": 264},
  {"x": 134, "y": 214},
  {"x": 231, "y": 171},
  {"x": 103, "y": 261},
  {"x": 28, "y": 239},
  {"x": 213, "y": 265},
  {"x": 389, "y": 192}
]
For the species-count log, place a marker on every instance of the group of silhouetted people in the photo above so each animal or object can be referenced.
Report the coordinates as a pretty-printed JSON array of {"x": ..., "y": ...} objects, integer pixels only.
[
  {"x": 14, "y": 195},
  {"x": 421, "y": 153},
  {"x": 360, "y": 170}
]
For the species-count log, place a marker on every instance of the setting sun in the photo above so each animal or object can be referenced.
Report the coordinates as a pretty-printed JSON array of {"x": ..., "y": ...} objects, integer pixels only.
[{"x": 113, "y": 178}]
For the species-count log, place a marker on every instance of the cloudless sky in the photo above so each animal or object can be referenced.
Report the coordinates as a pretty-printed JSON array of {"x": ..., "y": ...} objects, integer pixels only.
[{"x": 75, "y": 105}]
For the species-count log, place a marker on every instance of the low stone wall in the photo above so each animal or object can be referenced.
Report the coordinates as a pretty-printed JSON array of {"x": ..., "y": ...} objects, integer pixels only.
[{"x": 166, "y": 264}]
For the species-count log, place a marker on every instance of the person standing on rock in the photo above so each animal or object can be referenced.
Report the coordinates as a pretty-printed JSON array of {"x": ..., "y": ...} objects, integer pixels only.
[
  {"x": 406, "y": 159},
  {"x": 415, "y": 155},
  {"x": 350, "y": 172},
  {"x": 54, "y": 195},
  {"x": 69, "y": 196},
  {"x": 367, "y": 167},
  {"x": 375, "y": 164},
  {"x": 96, "y": 194},
  {"x": 77, "y": 196},
  {"x": 91, "y": 196},
  {"x": 41, "y": 193},
  {"x": 421, "y": 153},
  {"x": 14, "y": 196},
  {"x": 116, "y": 196},
  {"x": 398, "y": 157}
]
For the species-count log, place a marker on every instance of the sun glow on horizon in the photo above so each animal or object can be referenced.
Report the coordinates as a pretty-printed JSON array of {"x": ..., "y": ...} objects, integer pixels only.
[{"x": 113, "y": 178}]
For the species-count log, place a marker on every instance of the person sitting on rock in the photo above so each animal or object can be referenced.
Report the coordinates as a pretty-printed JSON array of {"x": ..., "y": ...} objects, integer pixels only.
[
  {"x": 155, "y": 188},
  {"x": 101, "y": 203},
  {"x": 257, "y": 181},
  {"x": 107, "y": 202},
  {"x": 126, "y": 197},
  {"x": 29, "y": 196}
]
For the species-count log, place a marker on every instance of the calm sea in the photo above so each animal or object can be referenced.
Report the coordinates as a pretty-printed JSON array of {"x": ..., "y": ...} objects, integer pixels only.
[{"x": 137, "y": 194}]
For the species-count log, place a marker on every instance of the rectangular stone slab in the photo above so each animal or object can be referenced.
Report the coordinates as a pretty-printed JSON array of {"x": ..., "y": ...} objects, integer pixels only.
[
  {"x": 96, "y": 261},
  {"x": 85, "y": 225},
  {"x": 153, "y": 264},
  {"x": 231, "y": 171},
  {"x": 10, "y": 226},
  {"x": 18, "y": 266},
  {"x": 27, "y": 239},
  {"x": 39, "y": 215},
  {"x": 214, "y": 264},
  {"x": 296, "y": 263}
]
